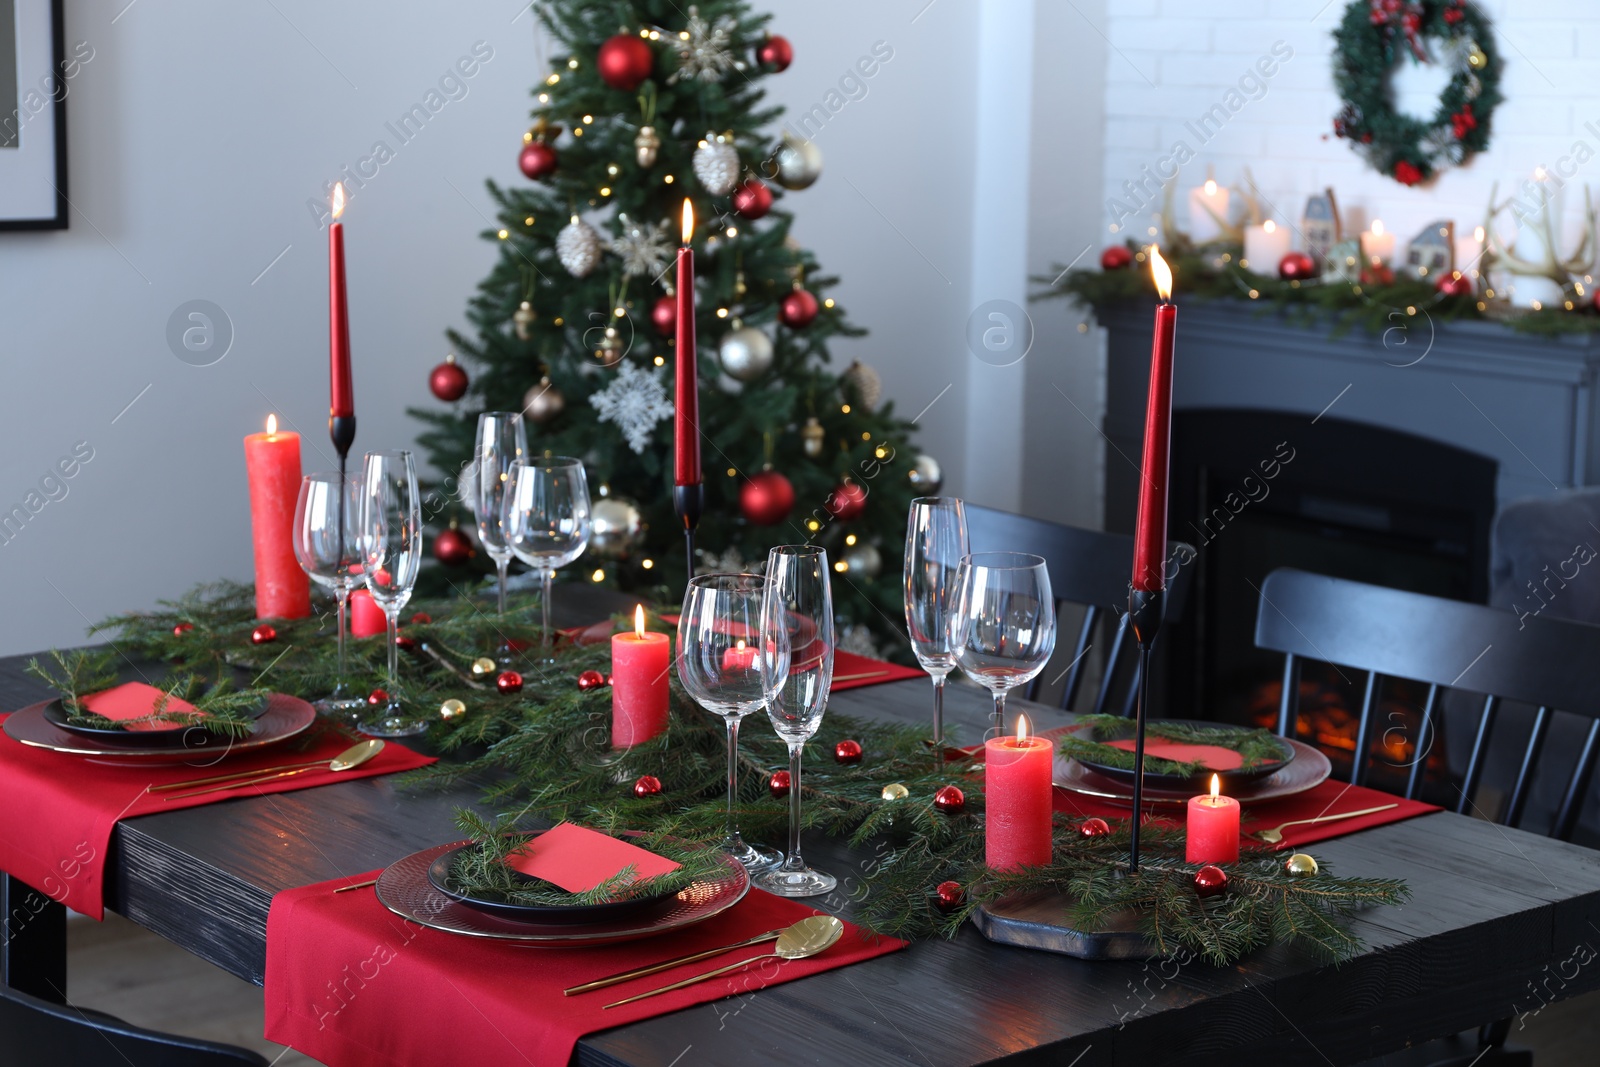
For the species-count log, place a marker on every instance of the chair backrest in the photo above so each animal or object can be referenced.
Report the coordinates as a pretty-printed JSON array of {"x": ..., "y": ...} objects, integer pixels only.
[
  {"x": 34, "y": 1031},
  {"x": 1552, "y": 664},
  {"x": 1089, "y": 568}
]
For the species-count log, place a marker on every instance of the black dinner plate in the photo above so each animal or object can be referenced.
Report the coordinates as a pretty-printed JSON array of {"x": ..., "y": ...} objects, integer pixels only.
[
  {"x": 616, "y": 911},
  {"x": 1123, "y": 731},
  {"x": 55, "y": 713}
]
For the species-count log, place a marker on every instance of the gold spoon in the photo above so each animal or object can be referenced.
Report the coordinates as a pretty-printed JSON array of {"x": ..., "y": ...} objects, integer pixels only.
[
  {"x": 657, "y": 968},
  {"x": 349, "y": 759},
  {"x": 1272, "y": 837},
  {"x": 805, "y": 938}
]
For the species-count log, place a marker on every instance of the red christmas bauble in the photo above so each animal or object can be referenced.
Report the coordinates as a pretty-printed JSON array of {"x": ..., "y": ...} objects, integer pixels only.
[
  {"x": 608, "y": 680},
  {"x": 766, "y": 499},
  {"x": 950, "y": 895},
  {"x": 624, "y": 61},
  {"x": 846, "y": 502},
  {"x": 847, "y": 751},
  {"x": 182, "y": 628},
  {"x": 421, "y": 618},
  {"x": 452, "y": 548},
  {"x": 402, "y": 641},
  {"x": 591, "y": 680},
  {"x": 538, "y": 159},
  {"x": 775, "y": 54},
  {"x": 1377, "y": 274},
  {"x": 647, "y": 786},
  {"x": 377, "y": 697},
  {"x": 1210, "y": 881},
  {"x": 508, "y": 682},
  {"x": 1456, "y": 283},
  {"x": 1116, "y": 258},
  {"x": 262, "y": 635},
  {"x": 1296, "y": 266},
  {"x": 949, "y": 800},
  {"x": 752, "y": 198},
  {"x": 1094, "y": 827},
  {"x": 664, "y": 315},
  {"x": 778, "y": 784},
  {"x": 448, "y": 381},
  {"x": 797, "y": 309}
]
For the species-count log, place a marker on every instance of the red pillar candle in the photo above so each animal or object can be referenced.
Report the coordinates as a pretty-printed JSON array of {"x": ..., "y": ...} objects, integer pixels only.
[
  {"x": 1150, "y": 531},
  {"x": 640, "y": 662},
  {"x": 686, "y": 391},
  {"x": 272, "y": 461},
  {"x": 1212, "y": 834},
  {"x": 1016, "y": 785},
  {"x": 341, "y": 404},
  {"x": 366, "y": 618}
]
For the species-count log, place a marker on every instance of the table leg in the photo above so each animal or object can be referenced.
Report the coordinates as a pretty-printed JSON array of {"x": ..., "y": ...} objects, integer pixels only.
[{"x": 33, "y": 953}]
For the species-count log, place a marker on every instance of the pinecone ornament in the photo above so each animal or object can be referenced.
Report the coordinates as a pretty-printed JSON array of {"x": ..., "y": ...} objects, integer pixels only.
[
  {"x": 716, "y": 164},
  {"x": 578, "y": 247},
  {"x": 864, "y": 382}
]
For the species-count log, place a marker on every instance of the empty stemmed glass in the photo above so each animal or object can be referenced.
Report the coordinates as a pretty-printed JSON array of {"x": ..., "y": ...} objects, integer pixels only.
[
  {"x": 796, "y": 656},
  {"x": 546, "y": 519},
  {"x": 327, "y": 542},
  {"x": 502, "y": 443},
  {"x": 718, "y": 632},
  {"x": 391, "y": 541},
  {"x": 1004, "y": 626},
  {"x": 936, "y": 539}
]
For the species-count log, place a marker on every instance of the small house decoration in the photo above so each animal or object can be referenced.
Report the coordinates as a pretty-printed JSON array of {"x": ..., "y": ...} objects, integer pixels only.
[
  {"x": 1344, "y": 260},
  {"x": 1433, "y": 251},
  {"x": 1320, "y": 225}
]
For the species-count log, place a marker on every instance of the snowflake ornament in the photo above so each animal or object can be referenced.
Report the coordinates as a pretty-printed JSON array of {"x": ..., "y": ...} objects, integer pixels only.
[
  {"x": 635, "y": 400},
  {"x": 703, "y": 51},
  {"x": 645, "y": 250}
]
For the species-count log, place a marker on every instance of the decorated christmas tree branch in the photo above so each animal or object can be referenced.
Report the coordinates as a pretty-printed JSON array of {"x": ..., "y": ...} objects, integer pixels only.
[{"x": 218, "y": 707}]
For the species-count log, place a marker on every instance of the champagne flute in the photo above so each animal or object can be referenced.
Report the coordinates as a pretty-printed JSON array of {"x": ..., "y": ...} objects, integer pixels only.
[
  {"x": 718, "y": 632},
  {"x": 796, "y": 657},
  {"x": 502, "y": 443},
  {"x": 391, "y": 541},
  {"x": 1004, "y": 626},
  {"x": 547, "y": 520},
  {"x": 327, "y": 542},
  {"x": 936, "y": 539}
]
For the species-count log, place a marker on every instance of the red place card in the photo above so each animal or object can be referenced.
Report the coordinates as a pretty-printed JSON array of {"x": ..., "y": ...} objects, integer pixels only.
[
  {"x": 1211, "y": 757},
  {"x": 135, "y": 700},
  {"x": 578, "y": 859}
]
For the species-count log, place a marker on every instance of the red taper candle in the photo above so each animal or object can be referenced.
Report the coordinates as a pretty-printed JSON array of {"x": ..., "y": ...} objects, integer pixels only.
[
  {"x": 686, "y": 394},
  {"x": 1150, "y": 531},
  {"x": 342, "y": 401}
]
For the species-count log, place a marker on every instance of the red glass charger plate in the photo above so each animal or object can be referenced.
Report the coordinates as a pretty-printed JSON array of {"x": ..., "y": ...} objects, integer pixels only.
[
  {"x": 285, "y": 717},
  {"x": 1309, "y": 769},
  {"x": 404, "y": 889}
]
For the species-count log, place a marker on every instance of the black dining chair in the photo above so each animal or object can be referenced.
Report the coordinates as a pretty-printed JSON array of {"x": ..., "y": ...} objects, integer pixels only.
[
  {"x": 37, "y": 1033},
  {"x": 1091, "y": 569}
]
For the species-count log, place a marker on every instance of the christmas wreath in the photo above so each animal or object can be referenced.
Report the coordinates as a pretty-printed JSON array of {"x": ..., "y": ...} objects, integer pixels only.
[{"x": 1371, "y": 39}]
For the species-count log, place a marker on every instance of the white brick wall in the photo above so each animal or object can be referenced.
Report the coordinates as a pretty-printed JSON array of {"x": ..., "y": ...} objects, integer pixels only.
[{"x": 1171, "y": 60}]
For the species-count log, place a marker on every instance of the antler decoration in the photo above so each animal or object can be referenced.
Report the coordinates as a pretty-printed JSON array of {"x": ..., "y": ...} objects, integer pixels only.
[{"x": 1549, "y": 263}]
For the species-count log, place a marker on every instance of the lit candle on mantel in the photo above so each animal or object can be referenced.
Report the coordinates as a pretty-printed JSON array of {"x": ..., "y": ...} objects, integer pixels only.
[
  {"x": 686, "y": 392},
  {"x": 639, "y": 664},
  {"x": 1212, "y": 833},
  {"x": 272, "y": 463},
  {"x": 341, "y": 393},
  {"x": 1377, "y": 245},
  {"x": 1016, "y": 798},
  {"x": 1150, "y": 530}
]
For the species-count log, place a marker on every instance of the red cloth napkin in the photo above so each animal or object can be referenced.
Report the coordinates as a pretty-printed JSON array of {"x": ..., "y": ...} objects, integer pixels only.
[
  {"x": 349, "y": 982},
  {"x": 846, "y": 664},
  {"x": 59, "y": 809}
]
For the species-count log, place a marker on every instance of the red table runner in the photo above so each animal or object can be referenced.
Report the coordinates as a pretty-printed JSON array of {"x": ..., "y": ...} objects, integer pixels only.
[
  {"x": 59, "y": 809},
  {"x": 349, "y": 982}
]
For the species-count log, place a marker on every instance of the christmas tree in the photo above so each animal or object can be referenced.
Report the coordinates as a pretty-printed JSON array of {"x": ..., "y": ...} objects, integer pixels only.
[{"x": 649, "y": 104}]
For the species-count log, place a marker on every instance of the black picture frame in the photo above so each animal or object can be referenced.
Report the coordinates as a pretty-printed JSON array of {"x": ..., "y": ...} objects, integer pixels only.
[{"x": 57, "y": 221}]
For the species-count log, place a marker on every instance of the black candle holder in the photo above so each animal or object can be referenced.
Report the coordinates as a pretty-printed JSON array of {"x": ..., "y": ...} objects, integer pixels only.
[
  {"x": 1145, "y": 609},
  {"x": 342, "y": 431},
  {"x": 689, "y": 501}
]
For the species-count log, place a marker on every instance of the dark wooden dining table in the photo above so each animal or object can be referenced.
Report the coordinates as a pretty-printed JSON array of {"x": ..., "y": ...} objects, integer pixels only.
[{"x": 1495, "y": 913}]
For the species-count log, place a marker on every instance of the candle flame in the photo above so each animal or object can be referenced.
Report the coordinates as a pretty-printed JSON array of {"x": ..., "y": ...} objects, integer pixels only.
[
  {"x": 1477, "y": 234},
  {"x": 1161, "y": 273},
  {"x": 1377, "y": 227},
  {"x": 1216, "y": 788},
  {"x": 1269, "y": 226},
  {"x": 638, "y": 621},
  {"x": 1211, "y": 187},
  {"x": 338, "y": 200},
  {"x": 1022, "y": 728},
  {"x": 688, "y": 220},
  {"x": 272, "y": 425}
]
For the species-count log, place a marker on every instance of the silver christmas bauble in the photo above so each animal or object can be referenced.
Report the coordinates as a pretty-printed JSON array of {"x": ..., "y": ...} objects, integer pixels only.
[
  {"x": 862, "y": 560},
  {"x": 543, "y": 402},
  {"x": 799, "y": 163},
  {"x": 522, "y": 320},
  {"x": 745, "y": 353},
  {"x": 865, "y": 385},
  {"x": 616, "y": 527},
  {"x": 927, "y": 477},
  {"x": 716, "y": 164},
  {"x": 578, "y": 247},
  {"x": 646, "y": 144}
]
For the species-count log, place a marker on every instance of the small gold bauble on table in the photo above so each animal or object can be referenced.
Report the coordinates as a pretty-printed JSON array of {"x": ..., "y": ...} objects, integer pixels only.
[
  {"x": 1300, "y": 865},
  {"x": 452, "y": 709},
  {"x": 483, "y": 665},
  {"x": 895, "y": 791}
]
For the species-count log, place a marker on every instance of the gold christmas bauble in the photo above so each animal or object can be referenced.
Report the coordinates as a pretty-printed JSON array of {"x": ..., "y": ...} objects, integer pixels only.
[
  {"x": 798, "y": 163},
  {"x": 645, "y": 146},
  {"x": 1475, "y": 57},
  {"x": 812, "y": 437},
  {"x": 451, "y": 709},
  {"x": 895, "y": 791},
  {"x": 610, "y": 348},
  {"x": 522, "y": 320},
  {"x": 543, "y": 402},
  {"x": 483, "y": 665},
  {"x": 1300, "y": 865}
]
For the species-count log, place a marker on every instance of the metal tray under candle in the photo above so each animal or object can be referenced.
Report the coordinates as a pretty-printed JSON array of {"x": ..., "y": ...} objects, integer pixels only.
[{"x": 1040, "y": 920}]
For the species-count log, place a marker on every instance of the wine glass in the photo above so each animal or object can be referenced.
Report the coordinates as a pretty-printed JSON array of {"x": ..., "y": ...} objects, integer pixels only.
[
  {"x": 327, "y": 542},
  {"x": 936, "y": 539},
  {"x": 546, "y": 519},
  {"x": 796, "y": 673},
  {"x": 502, "y": 443},
  {"x": 718, "y": 632},
  {"x": 1004, "y": 626},
  {"x": 391, "y": 542}
]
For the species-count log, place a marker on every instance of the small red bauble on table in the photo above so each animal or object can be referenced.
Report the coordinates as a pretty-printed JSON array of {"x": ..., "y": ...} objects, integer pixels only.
[
  {"x": 263, "y": 634},
  {"x": 1093, "y": 827},
  {"x": 1296, "y": 267},
  {"x": 766, "y": 498},
  {"x": 752, "y": 198},
  {"x": 448, "y": 381},
  {"x": 1210, "y": 881},
  {"x": 452, "y": 548},
  {"x": 950, "y": 895},
  {"x": 778, "y": 784},
  {"x": 624, "y": 61},
  {"x": 664, "y": 315},
  {"x": 1117, "y": 257},
  {"x": 182, "y": 628},
  {"x": 797, "y": 309},
  {"x": 949, "y": 800},
  {"x": 1456, "y": 283},
  {"x": 538, "y": 159},
  {"x": 591, "y": 680},
  {"x": 847, "y": 751},
  {"x": 421, "y": 618},
  {"x": 508, "y": 682},
  {"x": 775, "y": 54},
  {"x": 378, "y": 697},
  {"x": 647, "y": 786},
  {"x": 846, "y": 502}
]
